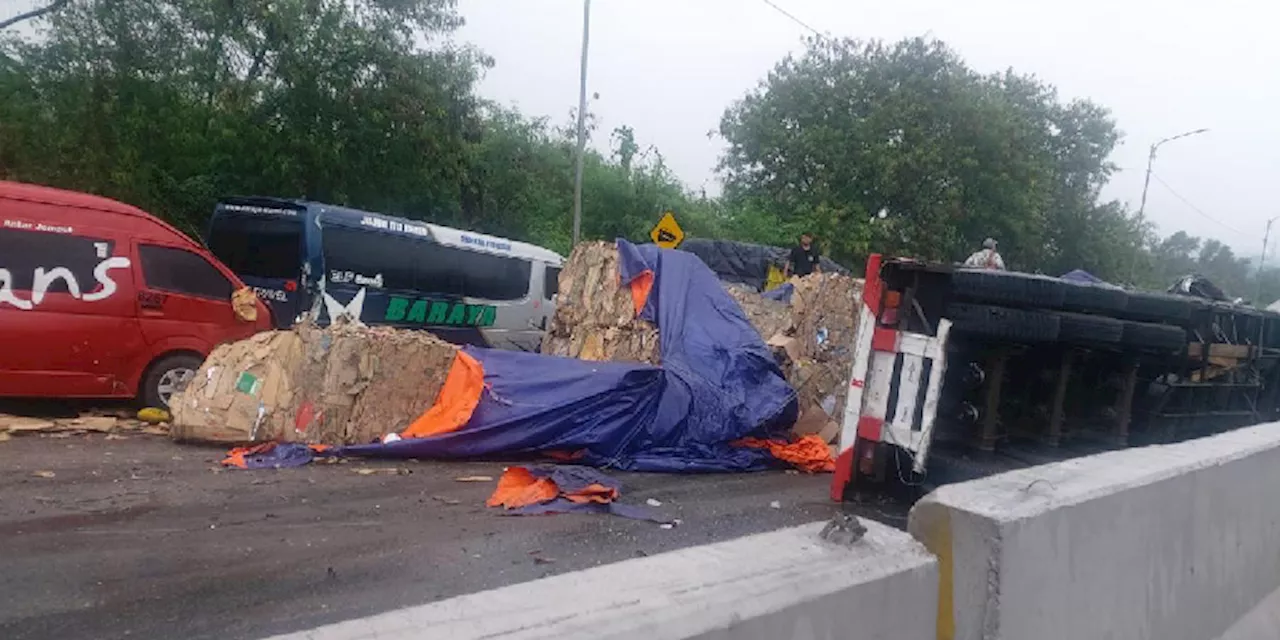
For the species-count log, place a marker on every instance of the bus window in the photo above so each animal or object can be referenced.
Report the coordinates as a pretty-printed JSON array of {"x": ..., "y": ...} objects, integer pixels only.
[
  {"x": 369, "y": 258},
  {"x": 258, "y": 247},
  {"x": 481, "y": 275}
]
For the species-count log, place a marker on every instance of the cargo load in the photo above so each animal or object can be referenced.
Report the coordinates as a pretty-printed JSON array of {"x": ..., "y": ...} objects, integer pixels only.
[
  {"x": 809, "y": 321},
  {"x": 344, "y": 384}
]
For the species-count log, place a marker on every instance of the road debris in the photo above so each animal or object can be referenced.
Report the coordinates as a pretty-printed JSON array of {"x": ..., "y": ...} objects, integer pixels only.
[
  {"x": 44, "y": 474},
  {"x": 447, "y": 500},
  {"x": 474, "y": 479},
  {"x": 343, "y": 384},
  {"x": 273, "y": 455},
  {"x": 563, "y": 489},
  {"x": 86, "y": 423},
  {"x": 386, "y": 471},
  {"x": 653, "y": 503},
  {"x": 843, "y": 529},
  {"x": 152, "y": 415},
  {"x": 775, "y": 505}
]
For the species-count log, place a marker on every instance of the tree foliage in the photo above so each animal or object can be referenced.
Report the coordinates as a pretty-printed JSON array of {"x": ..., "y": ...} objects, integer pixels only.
[
  {"x": 887, "y": 147},
  {"x": 171, "y": 104}
]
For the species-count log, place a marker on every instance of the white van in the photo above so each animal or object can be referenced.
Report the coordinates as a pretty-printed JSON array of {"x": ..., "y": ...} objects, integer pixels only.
[{"x": 307, "y": 257}]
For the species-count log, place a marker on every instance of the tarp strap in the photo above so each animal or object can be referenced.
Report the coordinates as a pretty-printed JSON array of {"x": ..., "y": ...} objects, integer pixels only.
[{"x": 457, "y": 400}]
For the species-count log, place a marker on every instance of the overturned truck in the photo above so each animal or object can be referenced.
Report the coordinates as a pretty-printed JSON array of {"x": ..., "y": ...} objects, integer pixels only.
[{"x": 988, "y": 361}]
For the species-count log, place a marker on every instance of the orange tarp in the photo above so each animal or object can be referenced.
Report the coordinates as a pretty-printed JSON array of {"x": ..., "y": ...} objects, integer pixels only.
[
  {"x": 519, "y": 488},
  {"x": 809, "y": 453},
  {"x": 640, "y": 287},
  {"x": 456, "y": 402}
]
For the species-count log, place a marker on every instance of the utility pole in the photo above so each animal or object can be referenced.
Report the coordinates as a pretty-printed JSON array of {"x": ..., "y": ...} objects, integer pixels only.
[
  {"x": 1266, "y": 235},
  {"x": 582, "y": 123},
  {"x": 1146, "y": 184}
]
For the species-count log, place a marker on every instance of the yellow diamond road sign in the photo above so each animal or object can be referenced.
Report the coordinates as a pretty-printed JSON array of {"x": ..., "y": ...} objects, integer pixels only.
[{"x": 667, "y": 233}]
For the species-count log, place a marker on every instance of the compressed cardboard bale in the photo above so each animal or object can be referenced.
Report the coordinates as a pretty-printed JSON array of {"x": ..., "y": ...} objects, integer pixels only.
[
  {"x": 595, "y": 317},
  {"x": 345, "y": 384},
  {"x": 769, "y": 317},
  {"x": 825, "y": 310}
]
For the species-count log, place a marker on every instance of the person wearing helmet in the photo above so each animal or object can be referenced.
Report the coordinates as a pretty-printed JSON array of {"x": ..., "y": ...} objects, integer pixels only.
[{"x": 987, "y": 258}]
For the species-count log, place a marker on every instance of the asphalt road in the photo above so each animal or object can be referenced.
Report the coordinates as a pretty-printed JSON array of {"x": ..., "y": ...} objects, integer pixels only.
[{"x": 143, "y": 538}]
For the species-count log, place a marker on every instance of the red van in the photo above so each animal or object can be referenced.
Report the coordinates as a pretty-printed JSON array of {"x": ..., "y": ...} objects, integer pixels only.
[{"x": 99, "y": 299}]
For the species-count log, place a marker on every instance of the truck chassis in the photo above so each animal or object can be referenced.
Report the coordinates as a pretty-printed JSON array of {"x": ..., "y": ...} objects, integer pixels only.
[{"x": 984, "y": 361}]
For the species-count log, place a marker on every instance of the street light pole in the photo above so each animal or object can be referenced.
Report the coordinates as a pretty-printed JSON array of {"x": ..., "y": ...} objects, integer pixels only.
[
  {"x": 1151, "y": 158},
  {"x": 1146, "y": 184},
  {"x": 582, "y": 123}
]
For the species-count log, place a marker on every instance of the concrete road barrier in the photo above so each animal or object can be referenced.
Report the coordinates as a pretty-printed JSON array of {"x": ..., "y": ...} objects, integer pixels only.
[
  {"x": 786, "y": 584},
  {"x": 1178, "y": 542}
]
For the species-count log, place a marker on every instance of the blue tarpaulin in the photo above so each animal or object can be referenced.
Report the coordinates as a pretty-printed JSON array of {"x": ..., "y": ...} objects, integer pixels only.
[
  {"x": 718, "y": 382},
  {"x": 1079, "y": 275}
]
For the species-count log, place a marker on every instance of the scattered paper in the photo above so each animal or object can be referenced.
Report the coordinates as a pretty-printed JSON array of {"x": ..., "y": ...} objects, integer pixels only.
[
  {"x": 653, "y": 503},
  {"x": 44, "y": 474},
  {"x": 775, "y": 505},
  {"x": 391, "y": 471},
  {"x": 474, "y": 479}
]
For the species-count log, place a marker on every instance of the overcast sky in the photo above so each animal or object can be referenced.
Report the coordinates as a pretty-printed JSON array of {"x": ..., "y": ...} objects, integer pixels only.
[{"x": 669, "y": 68}]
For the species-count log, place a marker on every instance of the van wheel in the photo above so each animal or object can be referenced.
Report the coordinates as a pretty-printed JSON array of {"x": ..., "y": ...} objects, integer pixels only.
[{"x": 166, "y": 377}]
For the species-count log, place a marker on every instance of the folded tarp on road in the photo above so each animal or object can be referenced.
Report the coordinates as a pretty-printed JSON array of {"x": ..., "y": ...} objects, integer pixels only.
[{"x": 718, "y": 383}]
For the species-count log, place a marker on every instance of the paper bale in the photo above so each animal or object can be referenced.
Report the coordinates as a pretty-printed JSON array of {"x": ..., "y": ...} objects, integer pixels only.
[{"x": 340, "y": 385}]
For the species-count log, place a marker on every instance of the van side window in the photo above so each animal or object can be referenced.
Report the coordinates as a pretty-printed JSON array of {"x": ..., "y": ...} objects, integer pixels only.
[
  {"x": 22, "y": 252},
  {"x": 181, "y": 271},
  {"x": 422, "y": 265},
  {"x": 551, "y": 283}
]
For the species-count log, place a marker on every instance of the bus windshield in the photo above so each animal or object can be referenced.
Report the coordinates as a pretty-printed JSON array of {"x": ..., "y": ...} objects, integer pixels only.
[{"x": 258, "y": 247}]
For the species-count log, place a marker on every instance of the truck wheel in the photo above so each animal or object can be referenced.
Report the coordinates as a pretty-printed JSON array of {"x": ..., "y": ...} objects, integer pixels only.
[
  {"x": 1164, "y": 338},
  {"x": 1152, "y": 306},
  {"x": 1086, "y": 330},
  {"x": 1002, "y": 323},
  {"x": 1005, "y": 287},
  {"x": 1081, "y": 296},
  {"x": 167, "y": 376}
]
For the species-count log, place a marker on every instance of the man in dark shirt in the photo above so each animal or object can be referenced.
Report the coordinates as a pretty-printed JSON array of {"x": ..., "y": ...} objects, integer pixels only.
[{"x": 804, "y": 258}]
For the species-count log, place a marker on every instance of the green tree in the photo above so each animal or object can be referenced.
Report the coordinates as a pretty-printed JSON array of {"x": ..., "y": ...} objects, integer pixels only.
[{"x": 848, "y": 129}]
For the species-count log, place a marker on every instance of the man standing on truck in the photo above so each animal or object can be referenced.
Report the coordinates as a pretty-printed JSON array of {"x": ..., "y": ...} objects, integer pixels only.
[
  {"x": 804, "y": 258},
  {"x": 987, "y": 258}
]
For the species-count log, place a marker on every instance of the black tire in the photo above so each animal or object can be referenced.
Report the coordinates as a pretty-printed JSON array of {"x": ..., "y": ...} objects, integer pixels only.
[
  {"x": 152, "y": 392},
  {"x": 1163, "y": 338},
  {"x": 1001, "y": 323},
  {"x": 1005, "y": 287},
  {"x": 1087, "y": 330},
  {"x": 1082, "y": 296},
  {"x": 1161, "y": 307}
]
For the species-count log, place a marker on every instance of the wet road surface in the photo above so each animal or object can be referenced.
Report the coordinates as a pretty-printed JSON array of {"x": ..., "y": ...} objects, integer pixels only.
[{"x": 143, "y": 538}]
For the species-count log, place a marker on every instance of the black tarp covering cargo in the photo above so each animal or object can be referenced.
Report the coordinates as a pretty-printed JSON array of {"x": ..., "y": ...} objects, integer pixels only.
[{"x": 744, "y": 262}]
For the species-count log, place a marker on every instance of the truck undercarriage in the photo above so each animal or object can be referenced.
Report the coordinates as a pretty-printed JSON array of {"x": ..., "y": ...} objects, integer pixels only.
[{"x": 1029, "y": 363}]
